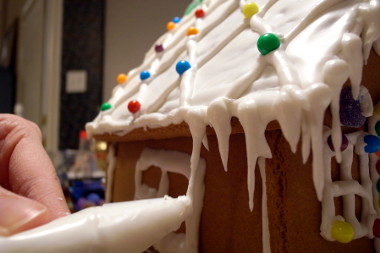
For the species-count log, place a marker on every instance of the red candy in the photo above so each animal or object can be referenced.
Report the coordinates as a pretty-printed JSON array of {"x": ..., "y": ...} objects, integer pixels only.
[
  {"x": 376, "y": 228},
  {"x": 134, "y": 106},
  {"x": 378, "y": 166},
  {"x": 199, "y": 13}
]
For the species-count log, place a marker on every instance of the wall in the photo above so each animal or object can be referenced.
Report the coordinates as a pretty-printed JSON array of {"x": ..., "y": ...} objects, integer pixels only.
[
  {"x": 10, "y": 10},
  {"x": 82, "y": 49},
  {"x": 2, "y": 18},
  {"x": 131, "y": 29}
]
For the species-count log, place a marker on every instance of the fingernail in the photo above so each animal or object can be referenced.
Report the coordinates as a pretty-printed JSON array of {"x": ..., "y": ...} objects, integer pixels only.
[{"x": 19, "y": 214}]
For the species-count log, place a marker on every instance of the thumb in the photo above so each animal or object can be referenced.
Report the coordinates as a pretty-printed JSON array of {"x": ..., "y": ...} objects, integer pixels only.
[{"x": 19, "y": 213}]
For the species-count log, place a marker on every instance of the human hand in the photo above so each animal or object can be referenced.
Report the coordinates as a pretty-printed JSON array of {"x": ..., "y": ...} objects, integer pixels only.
[{"x": 30, "y": 192}]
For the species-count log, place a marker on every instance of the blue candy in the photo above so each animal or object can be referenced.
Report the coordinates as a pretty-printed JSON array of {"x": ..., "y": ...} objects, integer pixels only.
[
  {"x": 182, "y": 67},
  {"x": 176, "y": 20},
  {"x": 373, "y": 143},
  {"x": 144, "y": 75}
]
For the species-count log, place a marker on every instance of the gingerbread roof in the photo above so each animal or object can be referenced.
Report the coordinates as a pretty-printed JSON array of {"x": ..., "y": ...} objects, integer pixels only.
[{"x": 287, "y": 59}]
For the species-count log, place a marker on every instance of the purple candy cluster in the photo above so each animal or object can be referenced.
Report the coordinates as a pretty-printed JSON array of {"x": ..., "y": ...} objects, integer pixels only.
[{"x": 350, "y": 111}]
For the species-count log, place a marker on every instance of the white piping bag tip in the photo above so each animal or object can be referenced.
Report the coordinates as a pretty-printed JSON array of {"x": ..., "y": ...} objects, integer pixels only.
[{"x": 131, "y": 226}]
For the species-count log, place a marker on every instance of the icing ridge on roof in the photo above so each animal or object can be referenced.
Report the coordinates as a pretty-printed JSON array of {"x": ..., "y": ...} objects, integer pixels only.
[{"x": 317, "y": 38}]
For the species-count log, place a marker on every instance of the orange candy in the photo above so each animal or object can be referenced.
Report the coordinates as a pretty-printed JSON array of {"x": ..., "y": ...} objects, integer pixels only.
[
  {"x": 170, "y": 26},
  {"x": 192, "y": 31},
  {"x": 121, "y": 78}
]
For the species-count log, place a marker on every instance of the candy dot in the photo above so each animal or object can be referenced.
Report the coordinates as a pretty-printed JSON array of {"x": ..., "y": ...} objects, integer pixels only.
[
  {"x": 376, "y": 228},
  {"x": 342, "y": 231},
  {"x": 343, "y": 146},
  {"x": 377, "y": 110},
  {"x": 378, "y": 167},
  {"x": 249, "y": 10},
  {"x": 134, "y": 106},
  {"x": 373, "y": 143},
  {"x": 377, "y": 128},
  {"x": 105, "y": 107},
  {"x": 192, "y": 31},
  {"x": 377, "y": 153},
  {"x": 121, "y": 78},
  {"x": 182, "y": 66},
  {"x": 378, "y": 185},
  {"x": 144, "y": 75},
  {"x": 159, "y": 48},
  {"x": 176, "y": 20},
  {"x": 170, "y": 26},
  {"x": 200, "y": 13},
  {"x": 267, "y": 43}
]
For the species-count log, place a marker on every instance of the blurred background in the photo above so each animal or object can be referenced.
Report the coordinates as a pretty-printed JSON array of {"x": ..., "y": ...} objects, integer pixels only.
[{"x": 59, "y": 60}]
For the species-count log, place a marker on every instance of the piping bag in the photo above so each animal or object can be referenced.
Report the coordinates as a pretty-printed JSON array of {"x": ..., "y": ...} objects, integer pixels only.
[{"x": 131, "y": 227}]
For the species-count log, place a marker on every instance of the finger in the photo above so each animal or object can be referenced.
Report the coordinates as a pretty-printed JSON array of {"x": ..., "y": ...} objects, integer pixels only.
[
  {"x": 19, "y": 213},
  {"x": 27, "y": 166}
]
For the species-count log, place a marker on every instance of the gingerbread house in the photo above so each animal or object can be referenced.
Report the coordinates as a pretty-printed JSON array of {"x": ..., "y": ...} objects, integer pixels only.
[{"x": 258, "y": 111}]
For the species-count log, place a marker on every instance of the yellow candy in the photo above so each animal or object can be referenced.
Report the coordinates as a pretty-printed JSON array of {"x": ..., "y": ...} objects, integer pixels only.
[
  {"x": 342, "y": 231},
  {"x": 377, "y": 110},
  {"x": 249, "y": 10},
  {"x": 121, "y": 78}
]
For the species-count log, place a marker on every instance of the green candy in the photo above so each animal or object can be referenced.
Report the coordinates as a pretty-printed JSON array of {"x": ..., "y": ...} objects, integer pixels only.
[
  {"x": 377, "y": 128},
  {"x": 105, "y": 107},
  {"x": 267, "y": 43}
]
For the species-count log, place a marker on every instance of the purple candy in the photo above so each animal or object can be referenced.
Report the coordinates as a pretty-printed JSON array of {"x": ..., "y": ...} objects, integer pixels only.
[
  {"x": 343, "y": 146},
  {"x": 159, "y": 48},
  {"x": 350, "y": 111}
]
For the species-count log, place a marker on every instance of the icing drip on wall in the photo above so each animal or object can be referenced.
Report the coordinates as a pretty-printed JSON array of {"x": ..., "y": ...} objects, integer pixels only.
[
  {"x": 175, "y": 162},
  {"x": 265, "y": 221}
]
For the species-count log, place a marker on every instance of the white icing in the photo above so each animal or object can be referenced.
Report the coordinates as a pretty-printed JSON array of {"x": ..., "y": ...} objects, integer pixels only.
[
  {"x": 175, "y": 162},
  {"x": 118, "y": 227},
  {"x": 324, "y": 44},
  {"x": 375, "y": 176},
  {"x": 347, "y": 188},
  {"x": 265, "y": 221}
]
